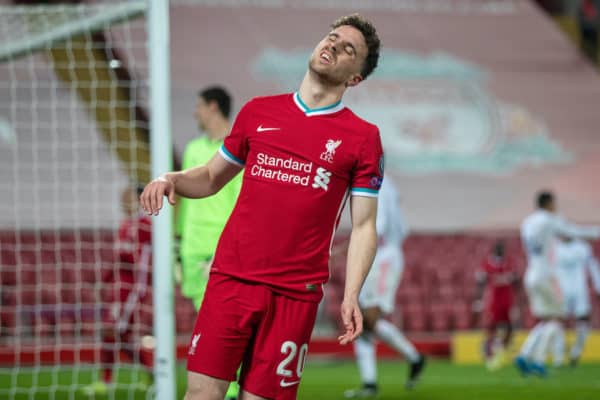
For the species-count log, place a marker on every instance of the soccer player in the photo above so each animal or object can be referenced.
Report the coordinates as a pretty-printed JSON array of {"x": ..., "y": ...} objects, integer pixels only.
[
  {"x": 123, "y": 326},
  {"x": 303, "y": 154},
  {"x": 378, "y": 295},
  {"x": 539, "y": 233},
  {"x": 201, "y": 221},
  {"x": 574, "y": 261},
  {"x": 497, "y": 276}
]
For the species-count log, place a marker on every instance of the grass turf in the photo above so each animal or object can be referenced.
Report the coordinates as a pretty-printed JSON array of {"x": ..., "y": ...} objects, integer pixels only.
[{"x": 328, "y": 380}]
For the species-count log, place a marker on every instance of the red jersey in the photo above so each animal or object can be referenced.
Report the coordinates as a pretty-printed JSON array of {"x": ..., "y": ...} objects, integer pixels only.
[
  {"x": 500, "y": 275},
  {"x": 135, "y": 254},
  {"x": 300, "y": 166}
]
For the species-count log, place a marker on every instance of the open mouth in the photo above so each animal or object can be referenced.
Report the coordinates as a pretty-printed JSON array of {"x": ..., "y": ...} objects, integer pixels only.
[{"x": 326, "y": 57}]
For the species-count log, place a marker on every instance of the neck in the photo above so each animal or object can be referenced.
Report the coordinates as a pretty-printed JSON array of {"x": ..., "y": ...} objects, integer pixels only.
[
  {"x": 315, "y": 93},
  {"x": 218, "y": 129}
]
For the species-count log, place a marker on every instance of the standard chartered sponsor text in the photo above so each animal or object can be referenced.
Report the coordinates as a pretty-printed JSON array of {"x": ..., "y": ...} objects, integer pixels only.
[{"x": 285, "y": 169}]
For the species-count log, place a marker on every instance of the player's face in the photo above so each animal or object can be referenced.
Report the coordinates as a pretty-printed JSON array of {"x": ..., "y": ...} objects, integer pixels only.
[
  {"x": 202, "y": 113},
  {"x": 339, "y": 57}
]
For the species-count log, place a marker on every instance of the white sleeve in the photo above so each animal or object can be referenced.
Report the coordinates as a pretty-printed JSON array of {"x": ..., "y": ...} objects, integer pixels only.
[
  {"x": 390, "y": 221},
  {"x": 594, "y": 269},
  {"x": 382, "y": 212},
  {"x": 575, "y": 231}
]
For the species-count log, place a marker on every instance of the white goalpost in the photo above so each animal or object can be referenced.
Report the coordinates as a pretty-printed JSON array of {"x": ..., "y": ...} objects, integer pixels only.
[{"x": 84, "y": 115}]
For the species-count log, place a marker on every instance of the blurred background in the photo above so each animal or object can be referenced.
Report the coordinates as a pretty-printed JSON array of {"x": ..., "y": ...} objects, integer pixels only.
[{"x": 480, "y": 104}]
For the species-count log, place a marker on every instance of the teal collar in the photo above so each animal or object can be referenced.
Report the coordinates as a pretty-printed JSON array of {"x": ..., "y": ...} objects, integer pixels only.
[{"x": 310, "y": 112}]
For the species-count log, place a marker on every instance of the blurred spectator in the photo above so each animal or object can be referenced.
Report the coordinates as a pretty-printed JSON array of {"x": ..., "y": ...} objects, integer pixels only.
[
  {"x": 588, "y": 18},
  {"x": 123, "y": 324}
]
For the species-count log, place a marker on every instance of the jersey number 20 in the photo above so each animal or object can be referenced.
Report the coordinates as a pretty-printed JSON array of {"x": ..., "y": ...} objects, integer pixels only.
[{"x": 290, "y": 349}]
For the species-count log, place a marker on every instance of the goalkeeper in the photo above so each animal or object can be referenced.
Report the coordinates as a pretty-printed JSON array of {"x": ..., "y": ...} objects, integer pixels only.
[{"x": 201, "y": 221}]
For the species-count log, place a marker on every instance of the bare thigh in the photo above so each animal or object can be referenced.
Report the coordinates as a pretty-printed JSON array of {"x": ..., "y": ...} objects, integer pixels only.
[
  {"x": 204, "y": 387},
  {"x": 249, "y": 396}
]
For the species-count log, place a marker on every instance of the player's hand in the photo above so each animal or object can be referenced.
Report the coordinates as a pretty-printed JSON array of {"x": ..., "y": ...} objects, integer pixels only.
[
  {"x": 151, "y": 198},
  {"x": 353, "y": 321}
]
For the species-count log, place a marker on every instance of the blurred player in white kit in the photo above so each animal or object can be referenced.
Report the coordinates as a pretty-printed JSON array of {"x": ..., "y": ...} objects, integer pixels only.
[
  {"x": 575, "y": 261},
  {"x": 378, "y": 294},
  {"x": 539, "y": 234}
]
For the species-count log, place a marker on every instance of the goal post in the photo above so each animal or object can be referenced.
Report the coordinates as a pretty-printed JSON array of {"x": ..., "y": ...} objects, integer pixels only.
[
  {"x": 162, "y": 234},
  {"x": 84, "y": 113}
]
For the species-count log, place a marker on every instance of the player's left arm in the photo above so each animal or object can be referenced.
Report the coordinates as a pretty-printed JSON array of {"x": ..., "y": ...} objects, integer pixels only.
[
  {"x": 594, "y": 269},
  {"x": 361, "y": 251}
]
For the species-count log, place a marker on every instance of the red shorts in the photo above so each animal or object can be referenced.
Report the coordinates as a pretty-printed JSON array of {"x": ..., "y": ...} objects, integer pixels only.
[
  {"x": 242, "y": 322},
  {"x": 498, "y": 312}
]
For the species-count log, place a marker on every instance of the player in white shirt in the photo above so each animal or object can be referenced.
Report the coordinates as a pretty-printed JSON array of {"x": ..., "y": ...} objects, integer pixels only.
[
  {"x": 539, "y": 233},
  {"x": 574, "y": 261},
  {"x": 377, "y": 297}
]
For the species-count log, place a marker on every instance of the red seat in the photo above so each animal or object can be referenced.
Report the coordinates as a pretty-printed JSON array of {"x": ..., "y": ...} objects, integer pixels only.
[
  {"x": 8, "y": 321},
  {"x": 415, "y": 317},
  {"x": 440, "y": 316},
  {"x": 462, "y": 316}
]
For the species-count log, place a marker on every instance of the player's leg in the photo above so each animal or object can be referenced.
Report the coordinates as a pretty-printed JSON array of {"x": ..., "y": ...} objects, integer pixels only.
[
  {"x": 230, "y": 312},
  {"x": 391, "y": 268},
  {"x": 558, "y": 346},
  {"x": 581, "y": 310},
  {"x": 538, "y": 364},
  {"x": 204, "y": 387},
  {"x": 195, "y": 270},
  {"x": 551, "y": 305},
  {"x": 582, "y": 330},
  {"x": 539, "y": 294},
  {"x": 526, "y": 352},
  {"x": 490, "y": 337},
  {"x": 500, "y": 353},
  {"x": 366, "y": 358},
  {"x": 109, "y": 349},
  {"x": 489, "y": 344},
  {"x": 274, "y": 362},
  {"x": 501, "y": 319},
  {"x": 364, "y": 346},
  {"x": 393, "y": 337}
]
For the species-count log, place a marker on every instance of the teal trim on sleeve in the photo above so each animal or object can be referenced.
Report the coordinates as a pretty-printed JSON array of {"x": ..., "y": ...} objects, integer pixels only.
[{"x": 230, "y": 156}]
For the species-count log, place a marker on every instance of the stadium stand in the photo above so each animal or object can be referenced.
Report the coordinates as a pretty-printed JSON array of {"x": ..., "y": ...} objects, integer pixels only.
[{"x": 434, "y": 298}]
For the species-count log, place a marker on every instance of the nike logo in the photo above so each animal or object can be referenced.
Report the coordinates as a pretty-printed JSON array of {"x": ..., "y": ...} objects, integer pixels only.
[
  {"x": 261, "y": 129},
  {"x": 284, "y": 383}
]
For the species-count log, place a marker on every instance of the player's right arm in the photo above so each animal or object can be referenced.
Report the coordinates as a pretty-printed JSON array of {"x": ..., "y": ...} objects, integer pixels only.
[
  {"x": 197, "y": 182},
  {"x": 575, "y": 231},
  {"x": 204, "y": 180}
]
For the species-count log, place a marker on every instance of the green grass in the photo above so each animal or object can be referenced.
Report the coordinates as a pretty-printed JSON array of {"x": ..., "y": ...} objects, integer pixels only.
[
  {"x": 328, "y": 380},
  {"x": 442, "y": 380}
]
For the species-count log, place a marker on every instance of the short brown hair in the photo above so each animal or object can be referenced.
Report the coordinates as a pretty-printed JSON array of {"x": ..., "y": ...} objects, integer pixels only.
[{"x": 371, "y": 38}]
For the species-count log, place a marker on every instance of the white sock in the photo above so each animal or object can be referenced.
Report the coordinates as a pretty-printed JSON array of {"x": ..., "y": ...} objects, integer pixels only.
[
  {"x": 390, "y": 335},
  {"x": 364, "y": 349},
  {"x": 558, "y": 347},
  {"x": 531, "y": 340},
  {"x": 582, "y": 329},
  {"x": 543, "y": 345}
]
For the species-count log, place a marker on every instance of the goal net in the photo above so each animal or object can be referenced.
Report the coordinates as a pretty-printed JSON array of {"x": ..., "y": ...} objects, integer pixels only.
[{"x": 73, "y": 137}]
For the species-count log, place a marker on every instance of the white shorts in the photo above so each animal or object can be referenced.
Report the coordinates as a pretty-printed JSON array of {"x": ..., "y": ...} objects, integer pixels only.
[
  {"x": 379, "y": 289},
  {"x": 545, "y": 298},
  {"x": 577, "y": 305}
]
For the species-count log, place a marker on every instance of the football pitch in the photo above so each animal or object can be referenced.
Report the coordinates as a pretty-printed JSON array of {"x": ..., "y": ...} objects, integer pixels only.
[{"x": 328, "y": 379}]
